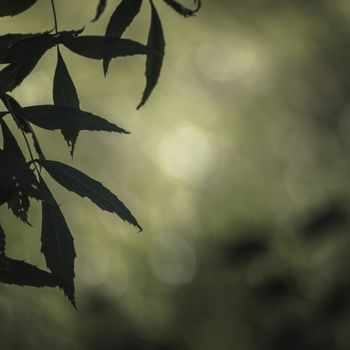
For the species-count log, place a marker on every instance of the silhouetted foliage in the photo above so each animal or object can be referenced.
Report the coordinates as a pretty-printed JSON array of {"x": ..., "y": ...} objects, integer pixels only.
[{"x": 21, "y": 180}]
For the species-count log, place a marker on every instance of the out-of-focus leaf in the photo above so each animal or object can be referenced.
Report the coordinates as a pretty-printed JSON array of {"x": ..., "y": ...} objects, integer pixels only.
[
  {"x": 336, "y": 301},
  {"x": 69, "y": 120},
  {"x": 245, "y": 251},
  {"x": 100, "y": 9},
  {"x": 64, "y": 91},
  {"x": 276, "y": 289},
  {"x": 326, "y": 220},
  {"x": 121, "y": 18},
  {"x": 154, "y": 63},
  {"x": 182, "y": 10},
  {"x": 24, "y": 274},
  {"x": 14, "y": 7},
  {"x": 100, "y": 47},
  {"x": 12, "y": 105},
  {"x": 57, "y": 244},
  {"x": 2, "y": 240},
  {"x": 83, "y": 185}
]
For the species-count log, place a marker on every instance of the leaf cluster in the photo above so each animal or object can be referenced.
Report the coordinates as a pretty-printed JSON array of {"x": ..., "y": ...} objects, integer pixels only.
[{"x": 22, "y": 180}]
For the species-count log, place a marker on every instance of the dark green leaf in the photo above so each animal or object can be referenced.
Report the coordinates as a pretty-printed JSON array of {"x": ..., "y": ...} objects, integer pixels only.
[
  {"x": 24, "y": 274},
  {"x": 13, "y": 74},
  {"x": 14, "y": 7},
  {"x": 83, "y": 185},
  {"x": 19, "y": 204},
  {"x": 11, "y": 147},
  {"x": 69, "y": 120},
  {"x": 57, "y": 244},
  {"x": 17, "y": 170},
  {"x": 2, "y": 240},
  {"x": 17, "y": 180},
  {"x": 24, "y": 55},
  {"x": 100, "y": 9},
  {"x": 99, "y": 47},
  {"x": 153, "y": 62},
  {"x": 12, "y": 105},
  {"x": 182, "y": 10},
  {"x": 64, "y": 92},
  {"x": 21, "y": 47},
  {"x": 121, "y": 18},
  {"x": 7, "y": 40}
]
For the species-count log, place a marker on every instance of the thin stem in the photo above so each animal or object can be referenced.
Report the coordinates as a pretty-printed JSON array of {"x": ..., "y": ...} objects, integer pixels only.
[{"x": 54, "y": 15}]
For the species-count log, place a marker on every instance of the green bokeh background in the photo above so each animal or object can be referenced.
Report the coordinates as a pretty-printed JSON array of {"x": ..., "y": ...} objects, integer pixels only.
[{"x": 246, "y": 133}]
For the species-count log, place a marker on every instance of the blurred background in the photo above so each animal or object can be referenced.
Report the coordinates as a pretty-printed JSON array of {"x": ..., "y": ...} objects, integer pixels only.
[{"x": 237, "y": 169}]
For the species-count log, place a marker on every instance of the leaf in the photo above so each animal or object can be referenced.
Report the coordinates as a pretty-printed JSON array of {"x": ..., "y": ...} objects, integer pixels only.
[
  {"x": 18, "y": 202},
  {"x": 11, "y": 147},
  {"x": 7, "y": 40},
  {"x": 14, "y": 7},
  {"x": 57, "y": 244},
  {"x": 154, "y": 62},
  {"x": 69, "y": 120},
  {"x": 17, "y": 180},
  {"x": 99, "y": 47},
  {"x": 182, "y": 10},
  {"x": 12, "y": 105},
  {"x": 13, "y": 74},
  {"x": 64, "y": 92},
  {"x": 2, "y": 240},
  {"x": 24, "y": 274},
  {"x": 83, "y": 185},
  {"x": 121, "y": 18},
  {"x": 15, "y": 48},
  {"x": 100, "y": 9},
  {"x": 23, "y": 56}
]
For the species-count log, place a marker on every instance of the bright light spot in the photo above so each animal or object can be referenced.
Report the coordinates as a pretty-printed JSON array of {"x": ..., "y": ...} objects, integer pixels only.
[
  {"x": 172, "y": 260},
  {"x": 225, "y": 59},
  {"x": 187, "y": 154}
]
